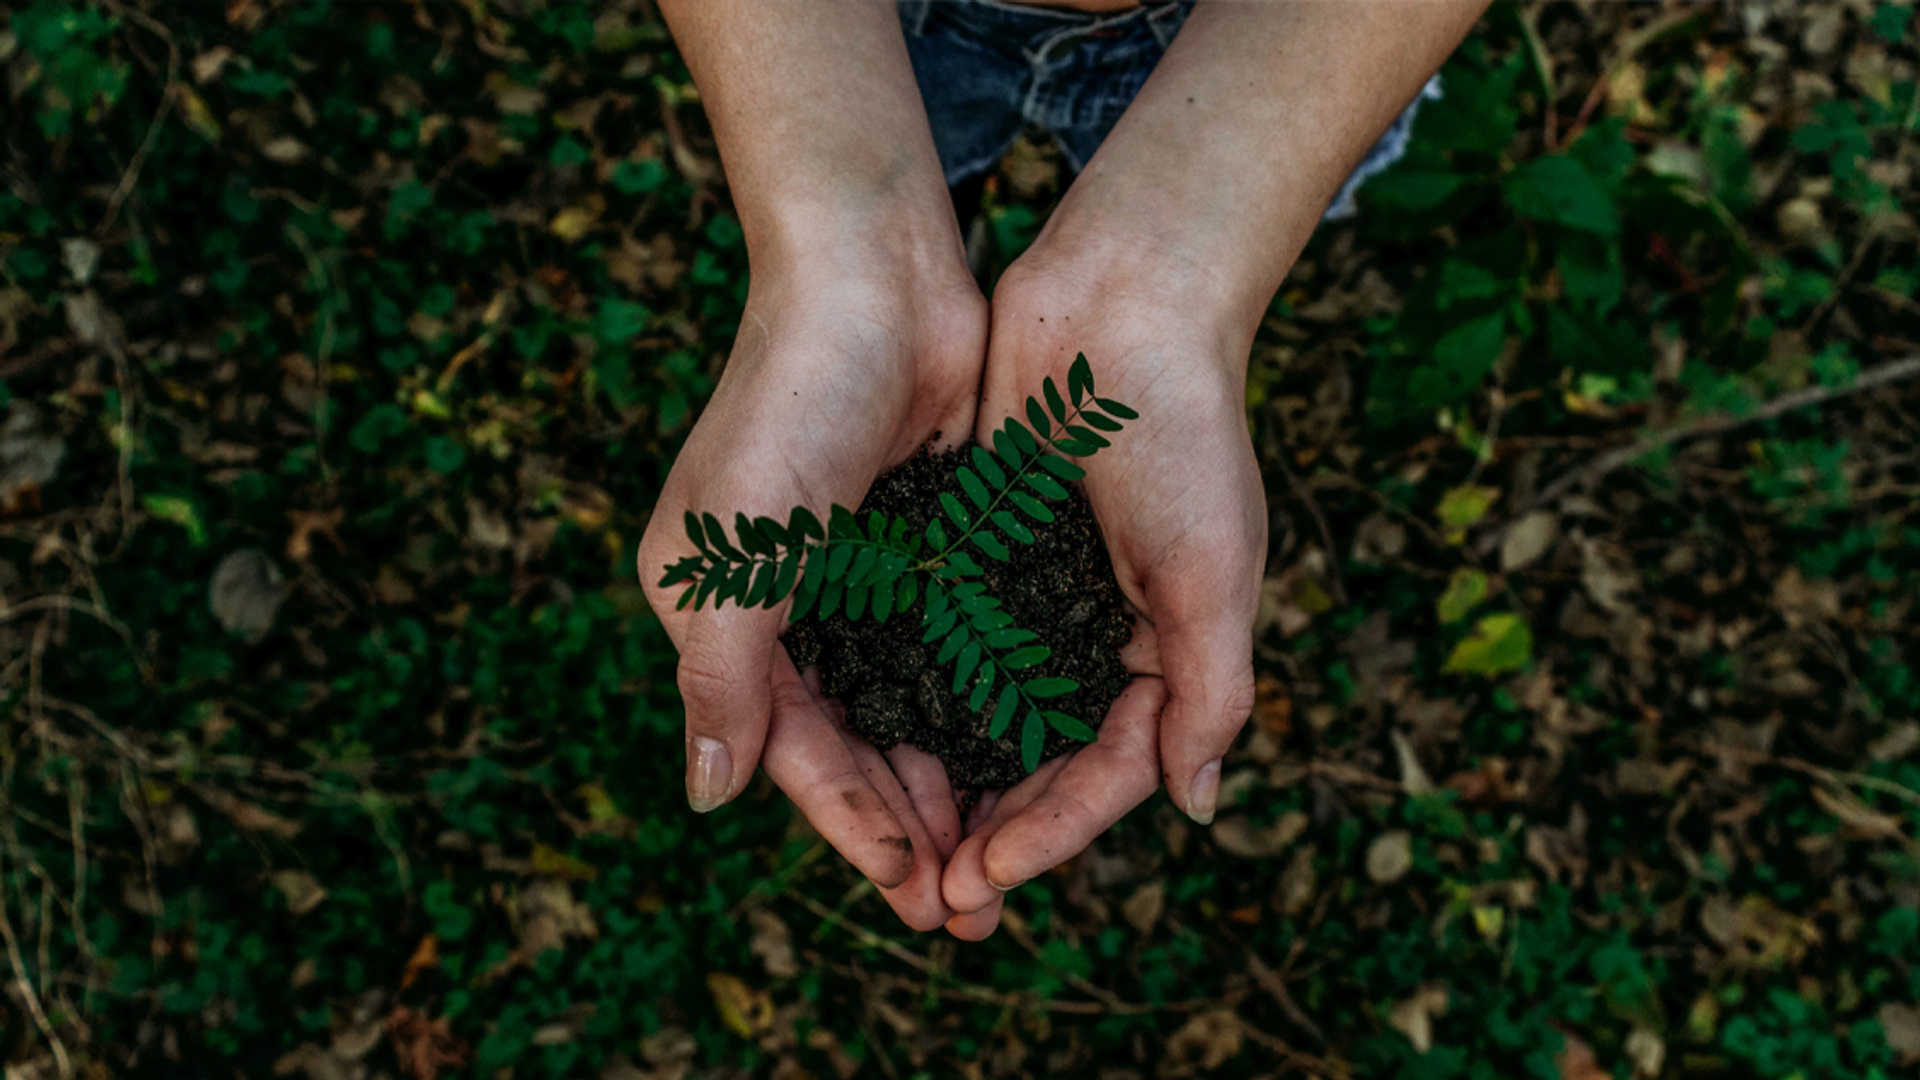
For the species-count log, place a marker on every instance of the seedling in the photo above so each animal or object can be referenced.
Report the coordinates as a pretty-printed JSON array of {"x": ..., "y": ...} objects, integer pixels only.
[{"x": 879, "y": 571}]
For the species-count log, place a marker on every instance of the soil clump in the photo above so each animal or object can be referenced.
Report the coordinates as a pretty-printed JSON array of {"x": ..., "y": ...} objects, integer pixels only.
[{"x": 1061, "y": 587}]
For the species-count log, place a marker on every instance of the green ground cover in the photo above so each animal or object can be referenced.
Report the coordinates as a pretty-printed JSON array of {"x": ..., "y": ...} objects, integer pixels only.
[{"x": 343, "y": 347}]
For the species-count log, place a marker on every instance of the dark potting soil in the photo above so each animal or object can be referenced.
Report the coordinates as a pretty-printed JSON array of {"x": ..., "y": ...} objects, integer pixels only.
[{"x": 1061, "y": 587}]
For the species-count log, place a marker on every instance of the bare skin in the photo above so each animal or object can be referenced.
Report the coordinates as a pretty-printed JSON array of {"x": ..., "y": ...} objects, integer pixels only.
[{"x": 1158, "y": 264}]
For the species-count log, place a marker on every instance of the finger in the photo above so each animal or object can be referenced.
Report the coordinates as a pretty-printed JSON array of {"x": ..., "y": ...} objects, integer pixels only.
[
  {"x": 982, "y": 813},
  {"x": 807, "y": 759},
  {"x": 1206, "y": 657},
  {"x": 925, "y": 782},
  {"x": 965, "y": 886},
  {"x": 917, "y": 899},
  {"x": 1104, "y": 780},
  {"x": 977, "y": 925},
  {"x": 725, "y": 664}
]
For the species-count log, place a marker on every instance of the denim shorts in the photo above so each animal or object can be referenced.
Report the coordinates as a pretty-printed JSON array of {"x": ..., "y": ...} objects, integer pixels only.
[{"x": 987, "y": 69}]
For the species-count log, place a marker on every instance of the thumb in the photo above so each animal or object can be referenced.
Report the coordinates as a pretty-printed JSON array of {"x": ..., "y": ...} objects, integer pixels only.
[
  {"x": 725, "y": 678},
  {"x": 1206, "y": 658}
]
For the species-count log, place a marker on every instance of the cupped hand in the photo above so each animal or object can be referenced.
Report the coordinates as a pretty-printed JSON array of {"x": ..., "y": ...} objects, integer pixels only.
[
  {"x": 840, "y": 371},
  {"x": 1180, "y": 504}
]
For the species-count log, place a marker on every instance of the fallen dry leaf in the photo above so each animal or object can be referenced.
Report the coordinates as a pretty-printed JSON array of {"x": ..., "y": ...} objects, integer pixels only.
[
  {"x": 1576, "y": 1060},
  {"x": 1414, "y": 1016},
  {"x": 745, "y": 1010},
  {"x": 1390, "y": 856},
  {"x": 424, "y": 1045}
]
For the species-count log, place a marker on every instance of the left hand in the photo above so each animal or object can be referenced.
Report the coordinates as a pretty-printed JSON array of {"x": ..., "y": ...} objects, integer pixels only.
[{"x": 1180, "y": 503}]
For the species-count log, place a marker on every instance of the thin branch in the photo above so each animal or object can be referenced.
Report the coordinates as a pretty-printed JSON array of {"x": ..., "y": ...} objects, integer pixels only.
[
  {"x": 1701, "y": 427},
  {"x": 30, "y": 997},
  {"x": 132, "y": 174}
]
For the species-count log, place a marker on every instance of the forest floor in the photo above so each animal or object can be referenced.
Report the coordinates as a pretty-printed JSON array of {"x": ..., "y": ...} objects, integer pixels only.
[{"x": 343, "y": 348}]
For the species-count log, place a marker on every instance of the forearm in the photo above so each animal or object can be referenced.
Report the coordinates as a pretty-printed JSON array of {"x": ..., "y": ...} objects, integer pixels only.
[
  {"x": 1220, "y": 170},
  {"x": 818, "y": 117}
]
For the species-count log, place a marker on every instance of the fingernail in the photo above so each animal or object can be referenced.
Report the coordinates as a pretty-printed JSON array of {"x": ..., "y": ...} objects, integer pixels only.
[
  {"x": 1005, "y": 888},
  {"x": 1204, "y": 793},
  {"x": 709, "y": 773}
]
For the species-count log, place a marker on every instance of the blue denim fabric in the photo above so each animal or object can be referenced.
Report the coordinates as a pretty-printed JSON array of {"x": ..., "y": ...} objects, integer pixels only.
[{"x": 988, "y": 68}]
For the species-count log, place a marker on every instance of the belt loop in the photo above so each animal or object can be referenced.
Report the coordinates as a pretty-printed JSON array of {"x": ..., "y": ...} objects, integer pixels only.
[
  {"x": 913, "y": 16},
  {"x": 1166, "y": 19}
]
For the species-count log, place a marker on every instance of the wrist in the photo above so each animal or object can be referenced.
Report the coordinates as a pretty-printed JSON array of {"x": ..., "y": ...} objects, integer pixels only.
[
  {"x": 1174, "y": 251},
  {"x": 1141, "y": 285}
]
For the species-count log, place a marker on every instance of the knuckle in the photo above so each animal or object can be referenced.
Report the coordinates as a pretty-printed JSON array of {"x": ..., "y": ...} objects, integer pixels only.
[{"x": 703, "y": 685}]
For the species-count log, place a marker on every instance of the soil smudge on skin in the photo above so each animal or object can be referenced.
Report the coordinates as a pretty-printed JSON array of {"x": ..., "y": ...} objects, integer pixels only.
[{"x": 1061, "y": 587}]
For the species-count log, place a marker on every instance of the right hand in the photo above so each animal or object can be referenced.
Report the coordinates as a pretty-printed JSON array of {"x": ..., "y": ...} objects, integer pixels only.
[{"x": 849, "y": 358}]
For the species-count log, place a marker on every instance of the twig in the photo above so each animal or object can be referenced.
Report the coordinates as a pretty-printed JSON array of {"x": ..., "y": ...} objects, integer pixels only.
[
  {"x": 1701, "y": 427},
  {"x": 1276, "y": 987},
  {"x": 1543, "y": 66},
  {"x": 965, "y": 991},
  {"x": 323, "y": 287},
  {"x": 30, "y": 997},
  {"x": 1017, "y": 930},
  {"x": 1840, "y": 284},
  {"x": 1307, "y": 1063},
  {"x": 1304, "y": 494},
  {"x": 1837, "y": 779},
  {"x": 1629, "y": 47},
  {"x": 132, "y": 173}
]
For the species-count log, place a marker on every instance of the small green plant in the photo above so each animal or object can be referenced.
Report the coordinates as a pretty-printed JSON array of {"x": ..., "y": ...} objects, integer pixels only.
[{"x": 878, "y": 570}]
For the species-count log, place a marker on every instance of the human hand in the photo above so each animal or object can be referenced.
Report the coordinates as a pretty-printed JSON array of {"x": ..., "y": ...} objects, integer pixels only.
[
  {"x": 848, "y": 360},
  {"x": 1181, "y": 506}
]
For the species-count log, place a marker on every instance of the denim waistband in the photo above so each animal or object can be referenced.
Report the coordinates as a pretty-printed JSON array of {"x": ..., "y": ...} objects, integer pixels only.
[{"x": 1045, "y": 31}]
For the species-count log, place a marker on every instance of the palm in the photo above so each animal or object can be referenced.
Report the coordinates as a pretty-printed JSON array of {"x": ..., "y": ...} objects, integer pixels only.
[
  {"x": 826, "y": 388},
  {"x": 1180, "y": 504}
]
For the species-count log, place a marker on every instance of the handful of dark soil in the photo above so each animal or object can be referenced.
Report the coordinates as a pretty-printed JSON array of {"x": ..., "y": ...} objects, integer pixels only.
[{"x": 1061, "y": 587}]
